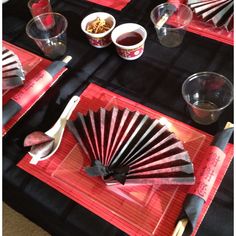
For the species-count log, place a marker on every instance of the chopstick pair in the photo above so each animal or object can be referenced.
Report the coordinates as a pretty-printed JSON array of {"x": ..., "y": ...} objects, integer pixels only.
[
  {"x": 180, "y": 227},
  {"x": 198, "y": 196}
]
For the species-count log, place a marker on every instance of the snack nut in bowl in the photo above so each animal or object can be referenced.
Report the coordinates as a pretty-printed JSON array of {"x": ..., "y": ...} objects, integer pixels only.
[
  {"x": 98, "y": 27},
  {"x": 129, "y": 39}
]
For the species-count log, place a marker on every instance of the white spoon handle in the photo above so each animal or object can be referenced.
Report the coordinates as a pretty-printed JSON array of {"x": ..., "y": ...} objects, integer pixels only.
[
  {"x": 34, "y": 160},
  {"x": 70, "y": 107},
  {"x": 57, "y": 130}
]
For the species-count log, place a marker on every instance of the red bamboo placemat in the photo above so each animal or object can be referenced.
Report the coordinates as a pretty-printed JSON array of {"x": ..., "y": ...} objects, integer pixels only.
[
  {"x": 32, "y": 64},
  {"x": 207, "y": 29},
  {"x": 137, "y": 210},
  {"x": 117, "y": 5}
]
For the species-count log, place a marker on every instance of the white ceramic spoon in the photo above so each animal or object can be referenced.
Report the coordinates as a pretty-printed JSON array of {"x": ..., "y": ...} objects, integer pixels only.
[{"x": 57, "y": 130}]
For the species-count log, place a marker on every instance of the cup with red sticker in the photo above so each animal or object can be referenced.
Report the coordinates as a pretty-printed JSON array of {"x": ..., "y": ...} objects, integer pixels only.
[
  {"x": 48, "y": 30},
  {"x": 38, "y": 7},
  {"x": 129, "y": 39},
  {"x": 98, "y": 27}
]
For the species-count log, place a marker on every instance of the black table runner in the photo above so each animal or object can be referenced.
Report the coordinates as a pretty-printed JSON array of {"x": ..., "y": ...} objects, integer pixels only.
[{"x": 154, "y": 80}]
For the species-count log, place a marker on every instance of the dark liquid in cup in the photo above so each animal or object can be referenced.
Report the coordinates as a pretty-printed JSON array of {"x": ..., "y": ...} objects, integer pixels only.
[{"x": 128, "y": 39}]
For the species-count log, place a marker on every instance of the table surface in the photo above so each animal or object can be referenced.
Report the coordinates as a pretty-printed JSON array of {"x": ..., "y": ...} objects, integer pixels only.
[{"x": 153, "y": 80}]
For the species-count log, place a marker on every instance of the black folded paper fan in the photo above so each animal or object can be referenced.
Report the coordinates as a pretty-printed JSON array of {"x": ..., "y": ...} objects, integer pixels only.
[
  {"x": 219, "y": 12},
  {"x": 128, "y": 147},
  {"x": 12, "y": 70}
]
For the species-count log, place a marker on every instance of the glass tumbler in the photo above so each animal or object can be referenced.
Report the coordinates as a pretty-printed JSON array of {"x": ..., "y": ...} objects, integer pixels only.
[
  {"x": 207, "y": 94},
  {"x": 178, "y": 16},
  {"x": 48, "y": 30}
]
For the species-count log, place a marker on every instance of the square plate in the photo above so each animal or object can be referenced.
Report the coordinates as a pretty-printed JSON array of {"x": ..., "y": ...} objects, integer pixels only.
[
  {"x": 142, "y": 206},
  {"x": 137, "y": 210}
]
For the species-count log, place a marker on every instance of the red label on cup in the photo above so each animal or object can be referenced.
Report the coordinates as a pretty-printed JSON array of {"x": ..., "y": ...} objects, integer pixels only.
[
  {"x": 207, "y": 172},
  {"x": 42, "y": 6},
  {"x": 100, "y": 42},
  {"x": 130, "y": 53}
]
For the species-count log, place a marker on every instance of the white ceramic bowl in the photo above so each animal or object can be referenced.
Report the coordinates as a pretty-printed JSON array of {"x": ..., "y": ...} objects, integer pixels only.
[
  {"x": 130, "y": 52},
  {"x": 100, "y": 40}
]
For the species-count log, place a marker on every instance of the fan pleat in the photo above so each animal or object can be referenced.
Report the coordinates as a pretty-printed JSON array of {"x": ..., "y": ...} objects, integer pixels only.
[
  {"x": 229, "y": 24},
  {"x": 125, "y": 134},
  {"x": 94, "y": 132},
  {"x": 173, "y": 160},
  {"x": 198, "y": 4},
  {"x": 219, "y": 18},
  {"x": 121, "y": 125},
  {"x": 12, "y": 70},
  {"x": 208, "y": 6},
  {"x": 111, "y": 135},
  {"x": 86, "y": 137},
  {"x": 73, "y": 127},
  {"x": 156, "y": 153},
  {"x": 153, "y": 147},
  {"x": 219, "y": 12},
  {"x": 124, "y": 148},
  {"x": 139, "y": 139},
  {"x": 183, "y": 170}
]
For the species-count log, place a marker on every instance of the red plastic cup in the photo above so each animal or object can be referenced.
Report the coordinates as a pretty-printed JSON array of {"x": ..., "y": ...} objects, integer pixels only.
[{"x": 38, "y": 7}]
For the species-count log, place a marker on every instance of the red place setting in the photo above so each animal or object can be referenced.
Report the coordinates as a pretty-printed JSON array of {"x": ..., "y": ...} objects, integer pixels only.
[
  {"x": 135, "y": 209},
  {"x": 117, "y": 5},
  {"x": 34, "y": 86},
  {"x": 207, "y": 29}
]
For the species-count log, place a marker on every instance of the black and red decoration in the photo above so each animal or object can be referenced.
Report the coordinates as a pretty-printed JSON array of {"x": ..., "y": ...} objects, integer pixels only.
[
  {"x": 219, "y": 12},
  {"x": 206, "y": 176},
  {"x": 32, "y": 88},
  {"x": 12, "y": 70},
  {"x": 128, "y": 147}
]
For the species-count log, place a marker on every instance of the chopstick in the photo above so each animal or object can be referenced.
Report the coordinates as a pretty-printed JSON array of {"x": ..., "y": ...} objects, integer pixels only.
[
  {"x": 228, "y": 125},
  {"x": 181, "y": 225},
  {"x": 162, "y": 21}
]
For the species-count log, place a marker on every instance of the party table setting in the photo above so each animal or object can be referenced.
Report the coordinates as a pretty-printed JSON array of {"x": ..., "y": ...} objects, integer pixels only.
[{"x": 118, "y": 116}]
